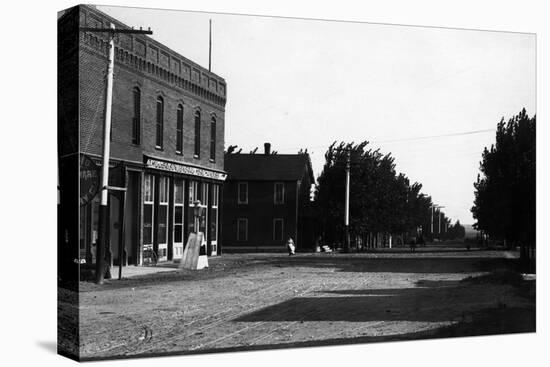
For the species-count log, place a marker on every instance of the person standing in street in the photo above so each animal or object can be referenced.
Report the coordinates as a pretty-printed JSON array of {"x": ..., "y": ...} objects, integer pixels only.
[{"x": 290, "y": 246}]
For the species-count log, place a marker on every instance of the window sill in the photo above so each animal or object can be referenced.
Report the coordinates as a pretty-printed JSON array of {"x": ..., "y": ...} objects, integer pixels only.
[
  {"x": 159, "y": 148},
  {"x": 212, "y": 160},
  {"x": 196, "y": 156}
]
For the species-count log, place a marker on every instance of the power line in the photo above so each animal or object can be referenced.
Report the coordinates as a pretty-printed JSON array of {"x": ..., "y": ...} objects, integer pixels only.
[
  {"x": 437, "y": 136},
  {"x": 401, "y": 140}
]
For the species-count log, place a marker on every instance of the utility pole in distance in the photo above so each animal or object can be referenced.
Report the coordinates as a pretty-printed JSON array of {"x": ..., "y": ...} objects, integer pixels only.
[
  {"x": 346, "y": 220},
  {"x": 102, "y": 267}
]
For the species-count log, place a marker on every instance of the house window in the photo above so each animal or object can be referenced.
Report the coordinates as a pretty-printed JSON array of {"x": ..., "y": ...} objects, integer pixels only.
[
  {"x": 213, "y": 139},
  {"x": 197, "y": 133},
  {"x": 278, "y": 229},
  {"x": 179, "y": 130},
  {"x": 136, "y": 121},
  {"x": 242, "y": 197},
  {"x": 279, "y": 193},
  {"x": 160, "y": 122},
  {"x": 242, "y": 229}
]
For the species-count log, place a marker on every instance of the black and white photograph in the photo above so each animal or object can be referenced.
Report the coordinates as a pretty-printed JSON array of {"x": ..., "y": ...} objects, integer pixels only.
[
  {"x": 244, "y": 182},
  {"x": 248, "y": 183}
]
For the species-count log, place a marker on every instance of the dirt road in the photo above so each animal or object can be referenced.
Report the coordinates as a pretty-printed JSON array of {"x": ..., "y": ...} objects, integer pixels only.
[{"x": 259, "y": 301}]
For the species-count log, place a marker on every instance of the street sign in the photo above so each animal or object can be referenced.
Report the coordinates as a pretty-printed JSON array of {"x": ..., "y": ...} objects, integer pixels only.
[{"x": 89, "y": 180}]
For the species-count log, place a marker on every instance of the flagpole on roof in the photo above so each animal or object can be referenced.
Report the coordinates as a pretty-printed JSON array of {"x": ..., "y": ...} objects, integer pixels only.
[{"x": 210, "y": 45}]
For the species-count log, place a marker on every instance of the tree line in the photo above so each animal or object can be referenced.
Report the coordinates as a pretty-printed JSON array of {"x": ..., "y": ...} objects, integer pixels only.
[
  {"x": 383, "y": 203},
  {"x": 505, "y": 198}
]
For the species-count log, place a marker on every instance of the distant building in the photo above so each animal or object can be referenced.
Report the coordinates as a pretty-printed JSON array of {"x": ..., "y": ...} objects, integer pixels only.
[
  {"x": 167, "y": 139},
  {"x": 266, "y": 201}
]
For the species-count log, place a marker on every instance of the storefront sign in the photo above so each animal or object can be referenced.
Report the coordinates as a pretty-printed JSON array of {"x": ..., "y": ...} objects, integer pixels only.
[
  {"x": 187, "y": 170},
  {"x": 89, "y": 180}
]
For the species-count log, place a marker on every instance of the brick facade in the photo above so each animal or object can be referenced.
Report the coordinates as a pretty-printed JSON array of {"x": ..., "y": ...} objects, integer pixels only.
[
  {"x": 157, "y": 71},
  {"x": 176, "y": 79}
]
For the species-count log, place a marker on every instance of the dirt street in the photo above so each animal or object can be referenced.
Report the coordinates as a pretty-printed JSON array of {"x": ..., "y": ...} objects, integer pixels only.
[{"x": 260, "y": 301}]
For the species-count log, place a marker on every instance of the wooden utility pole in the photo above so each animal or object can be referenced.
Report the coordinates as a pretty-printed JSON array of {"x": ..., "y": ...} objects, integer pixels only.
[
  {"x": 346, "y": 220},
  {"x": 102, "y": 267}
]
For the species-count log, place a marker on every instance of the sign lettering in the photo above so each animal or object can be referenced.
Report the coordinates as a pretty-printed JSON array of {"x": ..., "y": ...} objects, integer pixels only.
[{"x": 188, "y": 170}]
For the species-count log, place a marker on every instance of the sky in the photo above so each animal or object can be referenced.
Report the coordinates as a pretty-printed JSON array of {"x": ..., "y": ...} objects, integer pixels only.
[{"x": 429, "y": 96}]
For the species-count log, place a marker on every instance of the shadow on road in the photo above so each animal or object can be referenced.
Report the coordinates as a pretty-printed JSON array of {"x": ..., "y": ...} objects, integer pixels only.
[
  {"x": 413, "y": 264},
  {"x": 432, "y": 302}
]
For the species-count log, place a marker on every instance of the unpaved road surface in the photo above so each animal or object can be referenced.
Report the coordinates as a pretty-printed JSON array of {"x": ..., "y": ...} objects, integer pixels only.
[{"x": 260, "y": 301}]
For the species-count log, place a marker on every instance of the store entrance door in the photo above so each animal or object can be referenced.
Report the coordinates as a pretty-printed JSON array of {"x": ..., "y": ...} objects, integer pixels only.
[{"x": 115, "y": 228}]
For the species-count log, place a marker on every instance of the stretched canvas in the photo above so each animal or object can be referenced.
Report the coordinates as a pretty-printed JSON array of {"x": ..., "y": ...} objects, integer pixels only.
[{"x": 235, "y": 183}]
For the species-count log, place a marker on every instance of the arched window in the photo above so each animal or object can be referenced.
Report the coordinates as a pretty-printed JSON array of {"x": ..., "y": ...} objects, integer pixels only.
[
  {"x": 197, "y": 134},
  {"x": 179, "y": 130},
  {"x": 213, "y": 139},
  {"x": 160, "y": 122},
  {"x": 136, "y": 120}
]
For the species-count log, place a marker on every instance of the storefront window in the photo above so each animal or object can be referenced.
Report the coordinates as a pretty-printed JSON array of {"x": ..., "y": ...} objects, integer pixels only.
[
  {"x": 163, "y": 216},
  {"x": 193, "y": 194},
  {"x": 214, "y": 210},
  {"x": 178, "y": 217},
  {"x": 198, "y": 191},
  {"x": 148, "y": 203}
]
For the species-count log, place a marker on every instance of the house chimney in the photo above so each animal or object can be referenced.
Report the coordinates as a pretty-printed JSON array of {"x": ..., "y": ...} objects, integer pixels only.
[{"x": 267, "y": 148}]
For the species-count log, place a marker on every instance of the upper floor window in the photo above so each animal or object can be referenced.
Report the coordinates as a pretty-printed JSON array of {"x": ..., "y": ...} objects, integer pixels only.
[
  {"x": 179, "y": 129},
  {"x": 136, "y": 121},
  {"x": 242, "y": 197},
  {"x": 160, "y": 122},
  {"x": 197, "y": 133},
  {"x": 213, "y": 139},
  {"x": 279, "y": 193}
]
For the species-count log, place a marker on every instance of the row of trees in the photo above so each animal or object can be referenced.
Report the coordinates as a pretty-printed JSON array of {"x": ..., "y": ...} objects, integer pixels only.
[
  {"x": 505, "y": 201},
  {"x": 381, "y": 200}
]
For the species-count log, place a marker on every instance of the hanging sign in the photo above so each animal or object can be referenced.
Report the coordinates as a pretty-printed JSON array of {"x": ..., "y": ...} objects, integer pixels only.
[
  {"x": 89, "y": 180},
  {"x": 184, "y": 169}
]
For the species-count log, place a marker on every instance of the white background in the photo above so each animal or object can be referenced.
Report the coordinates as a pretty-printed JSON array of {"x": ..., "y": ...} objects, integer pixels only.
[{"x": 28, "y": 180}]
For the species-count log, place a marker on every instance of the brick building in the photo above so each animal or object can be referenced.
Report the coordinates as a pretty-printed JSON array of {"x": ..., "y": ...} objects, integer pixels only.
[
  {"x": 266, "y": 200},
  {"x": 167, "y": 138}
]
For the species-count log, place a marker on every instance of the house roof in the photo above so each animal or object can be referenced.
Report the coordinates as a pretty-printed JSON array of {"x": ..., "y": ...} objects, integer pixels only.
[{"x": 273, "y": 167}]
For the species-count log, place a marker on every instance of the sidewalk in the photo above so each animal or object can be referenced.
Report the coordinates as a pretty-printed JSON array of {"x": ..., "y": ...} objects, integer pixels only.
[{"x": 131, "y": 271}]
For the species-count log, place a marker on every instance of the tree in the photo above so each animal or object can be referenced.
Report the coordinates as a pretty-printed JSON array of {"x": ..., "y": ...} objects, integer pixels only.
[
  {"x": 456, "y": 231},
  {"x": 504, "y": 204},
  {"x": 381, "y": 201}
]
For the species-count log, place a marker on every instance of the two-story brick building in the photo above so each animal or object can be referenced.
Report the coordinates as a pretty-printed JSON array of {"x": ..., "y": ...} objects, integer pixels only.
[
  {"x": 266, "y": 201},
  {"x": 167, "y": 137}
]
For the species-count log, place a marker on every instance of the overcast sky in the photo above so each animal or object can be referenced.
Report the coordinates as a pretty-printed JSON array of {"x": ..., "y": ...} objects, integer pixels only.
[{"x": 411, "y": 91}]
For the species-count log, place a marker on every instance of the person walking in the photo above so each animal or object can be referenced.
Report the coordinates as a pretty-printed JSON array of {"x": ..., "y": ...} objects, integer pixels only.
[{"x": 290, "y": 246}]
